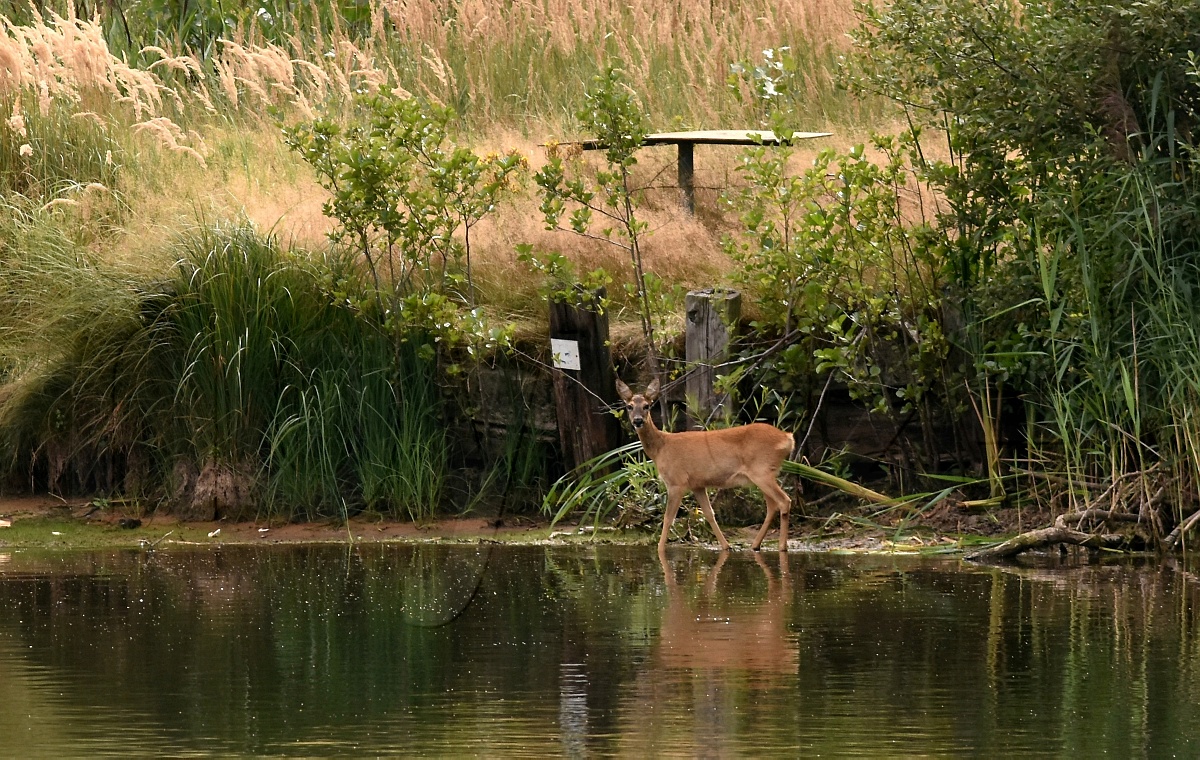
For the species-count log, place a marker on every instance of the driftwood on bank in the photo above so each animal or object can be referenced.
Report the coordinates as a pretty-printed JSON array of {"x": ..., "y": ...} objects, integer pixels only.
[
  {"x": 1079, "y": 519},
  {"x": 1042, "y": 537},
  {"x": 1181, "y": 530},
  {"x": 1064, "y": 531}
]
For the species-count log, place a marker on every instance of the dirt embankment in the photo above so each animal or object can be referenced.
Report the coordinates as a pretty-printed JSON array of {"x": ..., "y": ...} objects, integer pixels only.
[{"x": 48, "y": 522}]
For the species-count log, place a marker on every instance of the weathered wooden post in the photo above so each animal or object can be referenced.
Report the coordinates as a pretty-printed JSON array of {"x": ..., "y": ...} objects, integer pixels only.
[
  {"x": 583, "y": 378},
  {"x": 712, "y": 316}
]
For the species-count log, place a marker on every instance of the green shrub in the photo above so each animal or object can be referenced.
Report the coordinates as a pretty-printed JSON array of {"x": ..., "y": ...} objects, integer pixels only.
[
  {"x": 246, "y": 362},
  {"x": 845, "y": 284},
  {"x": 1071, "y": 199}
]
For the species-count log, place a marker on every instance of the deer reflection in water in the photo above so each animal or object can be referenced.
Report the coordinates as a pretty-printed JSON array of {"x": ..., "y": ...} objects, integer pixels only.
[
  {"x": 719, "y": 661},
  {"x": 713, "y": 635}
]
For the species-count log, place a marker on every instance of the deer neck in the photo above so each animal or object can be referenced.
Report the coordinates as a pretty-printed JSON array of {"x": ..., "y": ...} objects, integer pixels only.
[{"x": 651, "y": 437}]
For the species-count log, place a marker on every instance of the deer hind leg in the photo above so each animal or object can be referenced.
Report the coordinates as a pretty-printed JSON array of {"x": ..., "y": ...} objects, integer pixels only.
[
  {"x": 706, "y": 508},
  {"x": 785, "y": 509},
  {"x": 766, "y": 526},
  {"x": 777, "y": 501},
  {"x": 674, "y": 496}
]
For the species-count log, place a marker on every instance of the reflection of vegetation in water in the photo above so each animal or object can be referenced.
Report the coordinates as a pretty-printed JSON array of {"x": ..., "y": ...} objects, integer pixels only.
[{"x": 257, "y": 649}]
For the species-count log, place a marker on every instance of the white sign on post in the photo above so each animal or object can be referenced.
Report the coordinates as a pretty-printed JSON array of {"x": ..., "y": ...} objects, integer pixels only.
[{"x": 565, "y": 352}]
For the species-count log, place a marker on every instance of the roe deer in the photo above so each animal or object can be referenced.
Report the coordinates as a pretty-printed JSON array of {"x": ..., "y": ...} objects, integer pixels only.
[{"x": 700, "y": 459}]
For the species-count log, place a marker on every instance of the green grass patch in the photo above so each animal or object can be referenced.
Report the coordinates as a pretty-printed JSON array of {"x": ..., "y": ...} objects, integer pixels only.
[{"x": 68, "y": 533}]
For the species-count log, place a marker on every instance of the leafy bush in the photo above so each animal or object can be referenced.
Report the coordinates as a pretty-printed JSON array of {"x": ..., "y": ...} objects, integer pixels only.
[
  {"x": 1070, "y": 195},
  {"x": 845, "y": 282},
  {"x": 401, "y": 194}
]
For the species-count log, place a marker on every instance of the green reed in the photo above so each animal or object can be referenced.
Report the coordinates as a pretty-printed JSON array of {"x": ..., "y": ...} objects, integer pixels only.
[
  {"x": 68, "y": 334},
  {"x": 242, "y": 357},
  {"x": 279, "y": 373},
  {"x": 1120, "y": 287}
]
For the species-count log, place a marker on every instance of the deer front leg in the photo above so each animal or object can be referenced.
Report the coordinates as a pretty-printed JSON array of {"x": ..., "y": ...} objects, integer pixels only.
[
  {"x": 706, "y": 508},
  {"x": 674, "y": 496},
  {"x": 783, "y": 526}
]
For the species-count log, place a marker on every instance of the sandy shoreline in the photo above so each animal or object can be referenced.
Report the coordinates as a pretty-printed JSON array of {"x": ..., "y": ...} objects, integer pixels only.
[{"x": 48, "y": 522}]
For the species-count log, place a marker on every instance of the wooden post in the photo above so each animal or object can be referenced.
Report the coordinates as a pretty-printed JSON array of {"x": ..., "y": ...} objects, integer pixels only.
[
  {"x": 687, "y": 176},
  {"x": 712, "y": 316},
  {"x": 583, "y": 379}
]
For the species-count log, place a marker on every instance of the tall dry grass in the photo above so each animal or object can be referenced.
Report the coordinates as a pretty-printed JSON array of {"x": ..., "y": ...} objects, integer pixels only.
[
  {"x": 529, "y": 62},
  {"x": 516, "y": 73},
  {"x": 524, "y": 65},
  {"x": 76, "y": 115}
]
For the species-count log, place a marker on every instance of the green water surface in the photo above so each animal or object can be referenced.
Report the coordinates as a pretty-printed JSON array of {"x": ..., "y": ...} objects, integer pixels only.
[{"x": 495, "y": 651}]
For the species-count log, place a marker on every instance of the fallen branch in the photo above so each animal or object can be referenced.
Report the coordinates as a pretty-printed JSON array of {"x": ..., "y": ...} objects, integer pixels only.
[
  {"x": 1181, "y": 529},
  {"x": 1042, "y": 537},
  {"x": 1104, "y": 515},
  {"x": 1058, "y": 480}
]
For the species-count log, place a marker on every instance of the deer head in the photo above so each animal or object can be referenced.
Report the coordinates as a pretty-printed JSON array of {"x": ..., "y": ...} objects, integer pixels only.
[{"x": 638, "y": 405}]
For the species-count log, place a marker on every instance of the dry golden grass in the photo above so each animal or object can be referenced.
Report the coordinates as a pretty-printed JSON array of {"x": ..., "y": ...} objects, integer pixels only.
[
  {"x": 570, "y": 25},
  {"x": 698, "y": 40},
  {"x": 260, "y": 179},
  {"x": 682, "y": 249},
  {"x": 67, "y": 58},
  {"x": 249, "y": 175},
  {"x": 213, "y": 170}
]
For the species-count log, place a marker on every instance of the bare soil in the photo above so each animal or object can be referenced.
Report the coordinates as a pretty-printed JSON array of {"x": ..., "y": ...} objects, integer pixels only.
[
  {"x": 50, "y": 522},
  {"x": 82, "y": 522}
]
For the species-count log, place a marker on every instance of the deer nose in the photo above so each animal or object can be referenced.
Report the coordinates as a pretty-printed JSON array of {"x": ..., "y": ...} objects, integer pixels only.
[{"x": 638, "y": 421}]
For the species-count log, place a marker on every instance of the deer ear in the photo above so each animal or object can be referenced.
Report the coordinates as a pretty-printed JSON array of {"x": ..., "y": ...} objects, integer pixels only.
[
  {"x": 623, "y": 391},
  {"x": 652, "y": 390}
]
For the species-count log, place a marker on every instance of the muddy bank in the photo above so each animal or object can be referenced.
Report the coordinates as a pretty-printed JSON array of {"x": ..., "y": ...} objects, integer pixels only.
[{"x": 45, "y": 522}]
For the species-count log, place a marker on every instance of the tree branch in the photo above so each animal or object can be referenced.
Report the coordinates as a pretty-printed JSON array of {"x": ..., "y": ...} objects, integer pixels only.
[{"x": 1036, "y": 539}]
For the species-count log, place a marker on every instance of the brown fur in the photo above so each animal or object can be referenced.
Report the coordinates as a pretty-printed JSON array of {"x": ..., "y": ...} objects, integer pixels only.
[{"x": 701, "y": 459}]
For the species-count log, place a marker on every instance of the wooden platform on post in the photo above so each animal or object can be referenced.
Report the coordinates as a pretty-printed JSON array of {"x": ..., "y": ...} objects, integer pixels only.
[{"x": 686, "y": 142}]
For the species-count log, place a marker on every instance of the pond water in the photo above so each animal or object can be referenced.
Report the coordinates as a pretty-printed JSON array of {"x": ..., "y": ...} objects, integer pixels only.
[{"x": 590, "y": 651}]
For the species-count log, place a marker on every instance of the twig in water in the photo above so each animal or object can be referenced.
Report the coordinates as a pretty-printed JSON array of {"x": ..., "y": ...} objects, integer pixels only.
[{"x": 149, "y": 545}]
